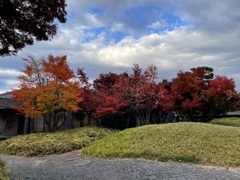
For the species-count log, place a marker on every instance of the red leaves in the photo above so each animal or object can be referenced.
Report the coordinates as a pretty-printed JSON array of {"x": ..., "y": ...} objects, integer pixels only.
[
  {"x": 106, "y": 80},
  {"x": 190, "y": 92},
  {"x": 187, "y": 89},
  {"x": 191, "y": 104},
  {"x": 109, "y": 101},
  {"x": 222, "y": 85},
  {"x": 187, "y": 82},
  {"x": 151, "y": 73},
  {"x": 222, "y": 91},
  {"x": 165, "y": 100},
  {"x": 50, "y": 85},
  {"x": 110, "y": 106},
  {"x": 196, "y": 92},
  {"x": 121, "y": 93}
]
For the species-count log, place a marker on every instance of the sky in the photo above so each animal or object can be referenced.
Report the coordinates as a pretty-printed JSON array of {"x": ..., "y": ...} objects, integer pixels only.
[{"x": 104, "y": 36}]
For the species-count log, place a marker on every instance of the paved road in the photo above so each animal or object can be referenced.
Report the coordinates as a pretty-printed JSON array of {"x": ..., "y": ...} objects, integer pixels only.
[{"x": 72, "y": 166}]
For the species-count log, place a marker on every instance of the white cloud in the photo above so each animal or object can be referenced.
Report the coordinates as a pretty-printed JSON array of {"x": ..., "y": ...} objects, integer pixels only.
[
  {"x": 8, "y": 85},
  {"x": 12, "y": 83},
  {"x": 159, "y": 24},
  {"x": 211, "y": 39},
  {"x": 91, "y": 21},
  {"x": 172, "y": 51},
  {"x": 9, "y": 73},
  {"x": 118, "y": 26},
  {"x": 211, "y": 15}
]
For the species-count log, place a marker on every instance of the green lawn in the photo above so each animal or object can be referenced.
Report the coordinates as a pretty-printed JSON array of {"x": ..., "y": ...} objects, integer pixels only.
[
  {"x": 228, "y": 121},
  {"x": 40, "y": 144},
  {"x": 200, "y": 143}
]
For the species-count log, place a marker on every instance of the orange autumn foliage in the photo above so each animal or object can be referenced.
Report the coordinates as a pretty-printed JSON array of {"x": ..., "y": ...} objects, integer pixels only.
[{"x": 48, "y": 88}]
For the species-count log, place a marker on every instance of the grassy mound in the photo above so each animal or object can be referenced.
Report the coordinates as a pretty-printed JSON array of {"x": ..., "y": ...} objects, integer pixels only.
[
  {"x": 229, "y": 121},
  {"x": 40, "y": 144},
  {"x": 182, "y": 142}
]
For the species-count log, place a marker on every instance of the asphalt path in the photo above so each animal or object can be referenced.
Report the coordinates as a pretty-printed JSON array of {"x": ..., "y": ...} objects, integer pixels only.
[{"x": 74, "y": 166}]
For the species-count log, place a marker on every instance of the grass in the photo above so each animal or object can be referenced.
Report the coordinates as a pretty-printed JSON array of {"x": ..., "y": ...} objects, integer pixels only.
[
  {"x": 229, "y": 121},
  {"x": 3, "y": 173},
  {"x": 40, "y": 144},
  {"x": 199, "y": 143}
]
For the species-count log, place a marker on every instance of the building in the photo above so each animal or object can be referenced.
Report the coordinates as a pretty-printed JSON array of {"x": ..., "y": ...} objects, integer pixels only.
[{"x": 12, "y": 123}]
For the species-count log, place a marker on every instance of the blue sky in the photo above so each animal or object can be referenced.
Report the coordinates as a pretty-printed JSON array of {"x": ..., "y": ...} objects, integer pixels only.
[{"x": 110, "y": 36}]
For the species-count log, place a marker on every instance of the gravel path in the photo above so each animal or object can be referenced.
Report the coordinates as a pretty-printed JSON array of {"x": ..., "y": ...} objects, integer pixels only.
[{"x": 73, "y": 166}]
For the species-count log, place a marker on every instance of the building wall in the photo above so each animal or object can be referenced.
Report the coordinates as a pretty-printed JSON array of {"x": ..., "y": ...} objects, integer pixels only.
[
  {"x": 12, "y": 124},
  {"x": 38, "y": 125},
  {"x": 8, "y": 123}
]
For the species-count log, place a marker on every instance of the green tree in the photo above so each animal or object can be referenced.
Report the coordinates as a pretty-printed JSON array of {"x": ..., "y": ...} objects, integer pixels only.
[{"x": 208, "y": 72}]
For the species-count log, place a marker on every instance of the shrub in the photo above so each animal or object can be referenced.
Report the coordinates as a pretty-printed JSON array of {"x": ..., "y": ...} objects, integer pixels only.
[
  {"x": 228, "y": 121},
  {"x": 40, "y": 144},
  {"x": 3, "y": 173}
]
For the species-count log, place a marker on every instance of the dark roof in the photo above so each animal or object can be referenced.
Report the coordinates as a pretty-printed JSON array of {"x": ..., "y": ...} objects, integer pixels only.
[
  {"x": 6, "y": 95},
  {"x": 6, "y": 102},
  {"x": 234, "y": 113}
]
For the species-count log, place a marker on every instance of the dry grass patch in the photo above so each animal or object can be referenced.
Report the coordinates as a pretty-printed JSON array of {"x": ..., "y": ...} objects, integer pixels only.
[
  {"x": 40, "y": 144},
  {"x": 182, "y": 142}
]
